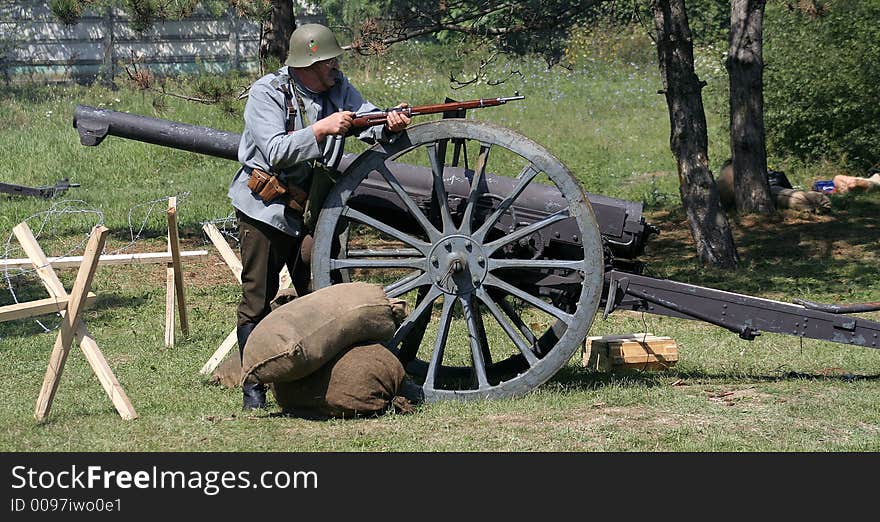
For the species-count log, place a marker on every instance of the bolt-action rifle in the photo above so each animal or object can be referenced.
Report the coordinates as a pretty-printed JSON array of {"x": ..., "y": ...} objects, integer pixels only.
[
  {"x": 379, "y": 117},
  {"x": 334, "y": 145}
]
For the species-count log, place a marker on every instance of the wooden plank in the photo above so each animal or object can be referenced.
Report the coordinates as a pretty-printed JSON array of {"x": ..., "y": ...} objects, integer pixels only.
[
  {"x": 174, "y": 248},
  {"x": 629, "y": 351},
  {"x": 218, "y": 356},
  {"x": 594, "y": 353},
  {"x": 656, "y": 349},
  {"x": 109, "y": 259},
  {"x": 49, "y": 305},
  {"x": 86, "y": 343},
  {"x": 169, "y": 306},
  {"x": 65, "y": 337},
  {"x": 224, "y": 249},
  {"x": 39, "y": 262}
]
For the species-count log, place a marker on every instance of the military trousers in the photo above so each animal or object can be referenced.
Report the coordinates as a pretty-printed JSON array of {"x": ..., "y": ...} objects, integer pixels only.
[{"x": 265, "y": 250}]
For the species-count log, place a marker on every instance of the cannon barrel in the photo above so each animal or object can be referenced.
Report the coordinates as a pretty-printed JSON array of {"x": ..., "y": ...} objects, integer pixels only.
[
  {"x": 620, "y": 222},
  {"x": 94, "y": 124}
]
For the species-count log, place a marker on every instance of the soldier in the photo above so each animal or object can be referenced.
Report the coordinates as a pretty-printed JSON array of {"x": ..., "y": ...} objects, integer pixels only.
[{"x": 290, "y": 118}]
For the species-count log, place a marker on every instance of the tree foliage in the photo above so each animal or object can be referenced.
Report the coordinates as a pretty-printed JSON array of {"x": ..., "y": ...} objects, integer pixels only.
[
  {"x": 513, "y": 27},
  {"x": 145, "y": 13},
  {"x": 821, "y": 80}
]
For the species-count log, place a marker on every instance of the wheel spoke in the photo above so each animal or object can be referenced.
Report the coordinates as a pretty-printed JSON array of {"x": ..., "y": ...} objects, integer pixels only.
[
  {"x": 406, "y": 284},
  {"x": 478, "y": 360},
  {"x": 525, "y": 177},
  {"x": 507, "y": 308},
  {"x": 414, "y": 242},
  {"x": 414, "y": 262},
  {"x": 478, "y": 182},
  {"x": 490, "y": 248},
  {"x": 409, "y": 345},
  {"x": 566, "y": 264},
  {"x": 413, "y": 318},
  {"x": 433, "y": 233},
  {"x": 439, "y": 188},
  {"x": 491, "y": 280},
  {"x": 384, "y": 252},
  {"x": 511, "y": 332},
  {"x": 440, "y": 341},
  {"x": 459, "y": 150}
]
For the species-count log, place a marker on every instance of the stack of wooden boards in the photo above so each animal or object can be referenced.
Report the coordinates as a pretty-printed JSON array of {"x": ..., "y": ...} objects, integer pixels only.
[{"x": 635, "y": 351}]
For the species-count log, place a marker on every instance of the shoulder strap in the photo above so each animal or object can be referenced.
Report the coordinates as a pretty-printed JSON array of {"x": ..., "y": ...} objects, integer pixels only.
[{"x": 290, "y": 124}]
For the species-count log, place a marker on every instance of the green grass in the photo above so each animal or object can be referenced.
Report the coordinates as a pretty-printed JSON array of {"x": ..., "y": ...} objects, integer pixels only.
[{"x": 606, "y": 123}]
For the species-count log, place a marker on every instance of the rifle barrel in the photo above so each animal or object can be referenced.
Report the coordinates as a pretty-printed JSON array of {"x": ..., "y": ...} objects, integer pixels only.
[{"x": 380, "y": 117}]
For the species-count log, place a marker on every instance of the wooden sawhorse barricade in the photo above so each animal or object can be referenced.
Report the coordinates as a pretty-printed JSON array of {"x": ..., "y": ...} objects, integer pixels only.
[
  {"x": 72, "y": 326},
  {"x": 71, "y": 306}
]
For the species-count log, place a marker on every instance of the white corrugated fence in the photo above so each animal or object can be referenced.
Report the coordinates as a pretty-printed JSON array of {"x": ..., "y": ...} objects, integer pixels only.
[{"x": 34, "y": 46}]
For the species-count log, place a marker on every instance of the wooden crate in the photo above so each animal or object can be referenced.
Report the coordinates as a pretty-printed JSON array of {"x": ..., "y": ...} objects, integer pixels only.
[{"x": 636, "y": 351}]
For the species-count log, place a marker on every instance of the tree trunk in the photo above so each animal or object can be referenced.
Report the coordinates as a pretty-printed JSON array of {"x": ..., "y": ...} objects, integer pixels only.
[
  {"x": 745, "y": 68},
  {"x": 277, "y": 30},
  {"x": 688, "y": 136}
]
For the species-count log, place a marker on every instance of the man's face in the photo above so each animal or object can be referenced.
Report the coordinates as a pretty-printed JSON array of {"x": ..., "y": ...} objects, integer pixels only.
[{"x": 326, "y": 73}]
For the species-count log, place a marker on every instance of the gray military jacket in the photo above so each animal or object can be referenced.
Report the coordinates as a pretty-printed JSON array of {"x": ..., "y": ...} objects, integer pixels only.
[{"x": 266, "y": 145}]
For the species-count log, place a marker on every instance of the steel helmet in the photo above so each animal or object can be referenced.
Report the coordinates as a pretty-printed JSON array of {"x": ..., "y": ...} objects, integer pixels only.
[{"x": 311, "y": 43}]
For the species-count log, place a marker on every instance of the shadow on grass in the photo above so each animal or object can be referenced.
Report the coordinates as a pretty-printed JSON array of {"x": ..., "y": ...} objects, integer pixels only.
[
  {"x": 27, "y": 327},
  {"x": 582, "y": 379},
  {"x": 789, "y": 253},
  {"x": 185, "y": 231}
]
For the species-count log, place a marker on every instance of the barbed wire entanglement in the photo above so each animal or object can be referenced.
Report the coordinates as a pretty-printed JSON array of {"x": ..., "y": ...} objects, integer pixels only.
[
  {"x": 22, "y": 281},
  {"x": 149, "y": 210},
  {"x": 228, "y": 226},
  {"x": 63, "y": 230}
]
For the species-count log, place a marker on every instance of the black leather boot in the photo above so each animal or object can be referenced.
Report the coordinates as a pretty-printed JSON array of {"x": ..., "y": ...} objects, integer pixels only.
[
  {"x": 411, "y": 391},
  {"x": 253, "y": 393}
]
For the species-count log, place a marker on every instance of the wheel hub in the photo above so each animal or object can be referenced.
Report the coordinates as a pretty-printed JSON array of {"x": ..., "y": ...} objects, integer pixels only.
[{"x": 457, "y": 265}]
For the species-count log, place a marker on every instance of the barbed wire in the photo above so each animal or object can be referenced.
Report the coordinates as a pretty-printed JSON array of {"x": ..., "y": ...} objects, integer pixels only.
[
  {"x": 228, "y": 226},
  {"x": 150, "y": 206},
  {"x": 41, "y": 224},
  {"x": 62, "y": 217}
]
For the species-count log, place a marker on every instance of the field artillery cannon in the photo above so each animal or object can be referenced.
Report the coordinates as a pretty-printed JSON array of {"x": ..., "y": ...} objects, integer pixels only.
[{"x": 504, "y": 267}]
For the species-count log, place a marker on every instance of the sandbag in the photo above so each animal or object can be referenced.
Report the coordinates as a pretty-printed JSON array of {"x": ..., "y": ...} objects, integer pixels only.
[
  {"x": 805, "y": 200},
  {"x": 361, "y": 380},
  {"x": 228, "y": 372},
  {"x": 298, "y": 337}
]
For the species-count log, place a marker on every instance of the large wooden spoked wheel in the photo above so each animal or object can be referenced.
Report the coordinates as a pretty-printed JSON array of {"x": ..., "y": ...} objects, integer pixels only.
[{"x": 495, "y": 309}]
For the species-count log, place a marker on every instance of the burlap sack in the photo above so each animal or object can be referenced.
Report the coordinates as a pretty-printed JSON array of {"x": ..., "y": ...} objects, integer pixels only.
[
  {"x": 300, "y": 336},
  {"x": 362, "y": 380},
  {"x": 805, "y": 200},
  {"x": 228, "y": 372}
]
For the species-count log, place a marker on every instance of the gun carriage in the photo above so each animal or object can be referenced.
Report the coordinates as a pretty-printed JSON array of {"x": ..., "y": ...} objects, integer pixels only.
[{"x": 502, "y": 256}]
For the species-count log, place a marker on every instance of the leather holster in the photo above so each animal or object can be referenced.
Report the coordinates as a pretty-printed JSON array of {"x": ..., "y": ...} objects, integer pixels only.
[{"x": 268, "y": 188}]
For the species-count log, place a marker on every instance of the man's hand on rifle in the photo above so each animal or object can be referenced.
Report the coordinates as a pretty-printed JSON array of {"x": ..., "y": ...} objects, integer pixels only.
[
  {"x": 337, "y": 123},
  {"x": 397, "y": 120}
]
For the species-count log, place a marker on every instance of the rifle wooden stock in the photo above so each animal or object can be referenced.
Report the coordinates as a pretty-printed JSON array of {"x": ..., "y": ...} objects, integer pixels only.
[{"x": 380, "y": 117}]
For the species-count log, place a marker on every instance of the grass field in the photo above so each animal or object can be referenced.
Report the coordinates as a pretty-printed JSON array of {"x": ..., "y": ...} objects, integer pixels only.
[{"x": 606, "y": 123}]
